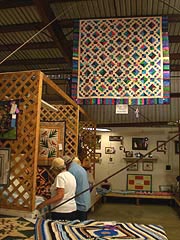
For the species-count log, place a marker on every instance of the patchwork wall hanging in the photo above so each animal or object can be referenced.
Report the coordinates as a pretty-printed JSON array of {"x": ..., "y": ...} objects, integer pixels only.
[
  {"x": 51, "y": 140},
  {"x": 139, "y": 182},
  {"x": 121, "y": 61},
  {"x": 8, "y": 119}
]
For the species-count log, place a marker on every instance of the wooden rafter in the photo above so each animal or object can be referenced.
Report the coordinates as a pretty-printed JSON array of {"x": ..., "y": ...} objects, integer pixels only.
[{"x": 57, "y": 34}]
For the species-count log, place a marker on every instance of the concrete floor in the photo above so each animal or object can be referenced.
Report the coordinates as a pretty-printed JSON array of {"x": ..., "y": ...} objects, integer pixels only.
[{"x": 148, "y": 213}]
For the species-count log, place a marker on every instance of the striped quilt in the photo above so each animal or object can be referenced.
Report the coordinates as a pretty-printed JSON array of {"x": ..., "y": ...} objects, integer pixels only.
[{"x": 97, "y": 230}]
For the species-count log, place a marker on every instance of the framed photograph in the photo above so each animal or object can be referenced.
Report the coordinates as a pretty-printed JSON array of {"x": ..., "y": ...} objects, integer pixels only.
[
  {"x": 139, "y": 182},
  {"x": 161, "y": 146},
  {"x": 177, "y": 147},
  {"x": 147, "y": 166},
  {"x": 165, "y": 188},
  {"x": 129, "y": 153},
  {"x": 139, "y": 143},
  {"x": 133, "y": 167},
  {"x": 109, "y": 150},
  {"x": 98, "y": 141},
  {"x": 97, "y": 157},
  {"x": 5, "y": 154},
  {"x": 116, "y": 138}
]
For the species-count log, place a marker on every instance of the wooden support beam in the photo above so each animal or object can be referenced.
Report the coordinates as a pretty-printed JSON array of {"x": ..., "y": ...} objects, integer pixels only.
[
  {"x": 174, "y": 56},
  {"x": 47, "y": 15},
  {"x": 64, "y": 95}
]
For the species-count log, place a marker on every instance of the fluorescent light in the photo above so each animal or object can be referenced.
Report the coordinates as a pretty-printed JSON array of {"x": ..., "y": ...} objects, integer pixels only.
[
  {"x": 99, "y": 129},
  {"x": 103, "y": 130}
]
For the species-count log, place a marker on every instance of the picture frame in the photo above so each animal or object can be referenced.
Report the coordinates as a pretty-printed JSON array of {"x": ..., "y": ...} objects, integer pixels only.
[
  {"x": 133, "y": 167},
  {"x": 166, "y": 188},
  {"x": 140, "y": 143},
  {"x": 139, "y": 182},
  {"x": 147, "y": 166},
  {"x": 98, "y": 157},
  {"x": 176, "y": 147},
  {"x": 98, "y": 142},
  {"x": 129, "y": 153},
  {"x": 5, "y": 154},
  {"x": 160, "y": 147},
  {"x": 116, "y": 138},
  {"x": 109, "y": 150}
]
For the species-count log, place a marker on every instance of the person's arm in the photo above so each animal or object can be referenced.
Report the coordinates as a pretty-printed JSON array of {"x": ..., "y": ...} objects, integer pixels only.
[{"x": 56, "y": 198}]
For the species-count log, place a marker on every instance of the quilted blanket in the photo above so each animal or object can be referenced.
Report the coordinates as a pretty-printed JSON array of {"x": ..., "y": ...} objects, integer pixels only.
[{"x": 97, "y": 230}]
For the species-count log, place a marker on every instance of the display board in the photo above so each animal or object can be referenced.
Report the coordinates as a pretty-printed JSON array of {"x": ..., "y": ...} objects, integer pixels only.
[{"x": 139, "y": 182}]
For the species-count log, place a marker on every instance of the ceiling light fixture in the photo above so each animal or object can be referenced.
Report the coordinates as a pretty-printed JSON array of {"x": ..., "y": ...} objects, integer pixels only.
[{"x": 99, "y": 129}]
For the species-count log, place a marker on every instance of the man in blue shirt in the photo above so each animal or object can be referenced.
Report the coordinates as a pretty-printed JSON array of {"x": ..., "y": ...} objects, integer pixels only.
[{"x": 83, "y": 200}]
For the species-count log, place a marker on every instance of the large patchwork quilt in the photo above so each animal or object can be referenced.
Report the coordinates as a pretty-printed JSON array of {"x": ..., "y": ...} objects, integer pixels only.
[
  {"x": 121, "y": 60},
  {"x": 99, "y": 230}
]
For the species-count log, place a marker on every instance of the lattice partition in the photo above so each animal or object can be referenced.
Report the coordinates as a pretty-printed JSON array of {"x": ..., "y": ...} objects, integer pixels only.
[
  {"x": 70, "y": 115},
  {"x": 87, "y": 142},
  {"x": 26, "y": 87},
  {"x": 22, "y": 86}
]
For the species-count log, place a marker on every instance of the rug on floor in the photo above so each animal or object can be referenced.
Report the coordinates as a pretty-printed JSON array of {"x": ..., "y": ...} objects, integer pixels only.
[
  {"x": 12, "y": 228},
  {"x": 90, "y": 229}
]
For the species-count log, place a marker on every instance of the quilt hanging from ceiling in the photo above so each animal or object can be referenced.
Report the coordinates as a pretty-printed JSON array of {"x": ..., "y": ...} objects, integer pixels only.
[{"x": 121, "y": 61}]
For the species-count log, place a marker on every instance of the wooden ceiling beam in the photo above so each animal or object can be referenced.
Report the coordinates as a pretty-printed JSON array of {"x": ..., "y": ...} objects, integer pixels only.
[
  {"x": 15, "y": 3},
  {"x": 29, "y": 46},
  {"x": 25, "y": 3},
  {"x": 174, "y": 68},
  {"x": 21, "y": 27},
  {"x": 174, "y": 39},
  {"x": 174, "y": 56},
  {"x": 47, "y": 16},
  {"x": 40, "y": 61},
  {"x": 64, "y": 23},
  {"x": 173, "y": 18}
]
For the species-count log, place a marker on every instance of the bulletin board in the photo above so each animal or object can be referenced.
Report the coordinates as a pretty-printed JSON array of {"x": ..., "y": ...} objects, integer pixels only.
[{"x": 139, "y": 182}]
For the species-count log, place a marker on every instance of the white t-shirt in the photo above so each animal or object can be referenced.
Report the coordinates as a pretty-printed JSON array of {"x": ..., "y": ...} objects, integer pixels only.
[{"x": 67, "y": 181}]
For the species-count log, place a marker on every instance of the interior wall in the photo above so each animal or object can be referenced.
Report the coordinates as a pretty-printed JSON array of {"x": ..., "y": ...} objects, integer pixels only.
[{"x": 160, "y": 176}]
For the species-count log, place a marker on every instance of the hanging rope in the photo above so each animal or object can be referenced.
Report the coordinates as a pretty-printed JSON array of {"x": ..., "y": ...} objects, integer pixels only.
[
  {"x": 169, "y": 5},
  {"x": 33, "y": 36}
]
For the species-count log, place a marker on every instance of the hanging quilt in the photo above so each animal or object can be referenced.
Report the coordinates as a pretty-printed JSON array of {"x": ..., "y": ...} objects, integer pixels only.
[
  {"x": 121, "y": 61},
  {"x": 8, "y": 119}
]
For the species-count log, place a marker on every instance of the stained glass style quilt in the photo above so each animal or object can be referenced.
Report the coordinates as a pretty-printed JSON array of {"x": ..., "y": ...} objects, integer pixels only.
[{"x": 121, "y": 61}]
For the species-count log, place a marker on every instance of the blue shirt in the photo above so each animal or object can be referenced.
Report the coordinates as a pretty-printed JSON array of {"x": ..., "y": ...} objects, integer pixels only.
[{"x": 83, "y": 201}]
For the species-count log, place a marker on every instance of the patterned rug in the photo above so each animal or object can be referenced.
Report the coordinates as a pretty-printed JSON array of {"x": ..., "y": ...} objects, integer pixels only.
[
  {"x": 16, "y": 228},
  {"x": 99, "y": 230}
]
